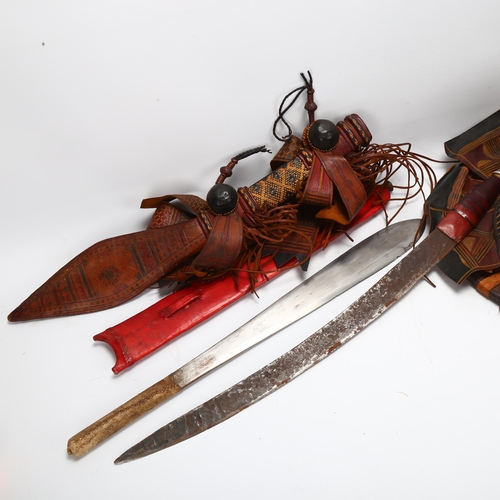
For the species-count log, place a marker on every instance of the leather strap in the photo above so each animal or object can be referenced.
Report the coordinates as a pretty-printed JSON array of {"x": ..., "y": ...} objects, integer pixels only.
[
  {"x": 318, "y": 190},
  {"x": 167, "y": 215},
  {"x": 349, "y": 193},
  {"x": 223, "y": 245},
  {"x": 287, "y": 152}
]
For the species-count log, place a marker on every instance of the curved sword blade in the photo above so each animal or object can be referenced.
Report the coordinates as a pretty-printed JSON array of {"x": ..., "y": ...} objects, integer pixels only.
[
  {"x": 451, "y": 230},
  {"x": 355, "y": 265},
  {"x": 311, "y": 351},
  {"x": 358, "y": 263}
]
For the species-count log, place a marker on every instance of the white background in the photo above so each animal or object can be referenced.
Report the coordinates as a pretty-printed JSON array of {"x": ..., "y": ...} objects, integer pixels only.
[{"x": 104, "y": 103}]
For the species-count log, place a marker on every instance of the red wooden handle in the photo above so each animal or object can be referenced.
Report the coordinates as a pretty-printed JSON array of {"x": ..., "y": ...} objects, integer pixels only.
[{"x": 467, "y": 213}]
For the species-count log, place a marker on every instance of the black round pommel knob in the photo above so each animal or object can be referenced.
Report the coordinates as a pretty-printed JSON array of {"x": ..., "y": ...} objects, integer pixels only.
[
  {"x": 323, "y": 135},
  {"x": 222, "y": 199}
]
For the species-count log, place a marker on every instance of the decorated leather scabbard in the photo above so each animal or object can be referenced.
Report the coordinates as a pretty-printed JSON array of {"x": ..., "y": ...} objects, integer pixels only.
[
  {"x": 323, "y": 183},
  {"x": 477, "y": 258},
  {"x": 118, "y": 269},
  {"x": 318, "y": 184},
  {"x": 112, "y": 271}
]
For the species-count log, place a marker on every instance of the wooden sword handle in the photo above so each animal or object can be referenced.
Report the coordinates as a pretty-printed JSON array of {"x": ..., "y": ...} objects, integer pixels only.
[{"x": 87, "y": 439}]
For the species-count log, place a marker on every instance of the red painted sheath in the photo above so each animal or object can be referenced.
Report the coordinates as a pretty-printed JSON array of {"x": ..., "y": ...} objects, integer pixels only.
[{"x": 152, "y": 328}]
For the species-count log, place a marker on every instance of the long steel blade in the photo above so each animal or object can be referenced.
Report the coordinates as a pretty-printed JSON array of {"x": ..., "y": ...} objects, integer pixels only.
[
  {"x": 314, "y": 349},
  {"x": 452, "y": 229},
  {"x": 363, "y": 260}
]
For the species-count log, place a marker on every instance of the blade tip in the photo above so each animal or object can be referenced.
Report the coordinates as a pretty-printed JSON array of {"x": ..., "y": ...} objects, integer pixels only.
[{"x": 124, "y": 458}]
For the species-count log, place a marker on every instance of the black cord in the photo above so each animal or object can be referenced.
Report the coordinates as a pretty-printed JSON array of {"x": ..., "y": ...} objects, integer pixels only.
[{"x": 281, "y": 112}]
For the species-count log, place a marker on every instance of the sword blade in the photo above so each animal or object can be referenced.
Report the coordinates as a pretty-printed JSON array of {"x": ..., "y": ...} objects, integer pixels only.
[
  {"x": 387, "y": 291},
  {"x": 363, "y": 260},
  {"x": 293, "y": 363}
]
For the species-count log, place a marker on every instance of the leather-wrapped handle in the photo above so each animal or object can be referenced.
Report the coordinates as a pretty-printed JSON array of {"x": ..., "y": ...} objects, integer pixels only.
[{"x": 467, "y": 213}]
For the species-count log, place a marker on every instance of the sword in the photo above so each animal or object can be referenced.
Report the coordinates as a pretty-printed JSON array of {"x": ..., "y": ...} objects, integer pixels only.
[
  {"x": 366, "y": 258},
  {"x": 398, "y": 281}
]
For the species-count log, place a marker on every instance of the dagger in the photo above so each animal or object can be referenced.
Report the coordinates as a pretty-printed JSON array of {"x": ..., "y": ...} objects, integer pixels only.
[
  {"x": 355, "y": 265},
  {"x": 397, "y": 282}
]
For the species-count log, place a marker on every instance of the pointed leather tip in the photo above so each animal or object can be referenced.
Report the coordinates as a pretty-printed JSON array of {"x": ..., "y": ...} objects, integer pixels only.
[
  {"x": 23, "y": 313},
  {"x": 15, "y": 316}
]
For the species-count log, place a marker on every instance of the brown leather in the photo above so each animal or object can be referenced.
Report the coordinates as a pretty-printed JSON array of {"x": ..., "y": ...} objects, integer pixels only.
[
  {"x": 113, "y": 271},
  {"x": 223, "y": 245},
  {"x": 478, "y": 147},
  {"x": 296, "y": 171},
  {"x": 287, "y": 152},
  {"x": 195, "y": 203},
  {"x": 297, "y": 244},
  {"x": 318, "y": 190},
  {"x": 188, "y": 306},
  {"x": 349, "y": 192},
  {"x": 270, "y": 215},
  {"x": 487, "y": 284},
  {"x": 477, "y": 257},
  {"x": 167, "y": 215}
]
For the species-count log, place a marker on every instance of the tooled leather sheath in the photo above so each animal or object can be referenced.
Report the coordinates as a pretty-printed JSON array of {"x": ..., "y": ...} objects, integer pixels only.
[{"x": 112, "y": 271}]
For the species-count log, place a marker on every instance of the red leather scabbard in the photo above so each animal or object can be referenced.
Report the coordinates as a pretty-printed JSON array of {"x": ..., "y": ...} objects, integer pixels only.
[{"x": 142, "y": 334}]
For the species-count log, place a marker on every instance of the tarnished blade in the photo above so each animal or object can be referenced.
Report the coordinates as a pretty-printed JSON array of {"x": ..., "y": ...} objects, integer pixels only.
[
  {"x": 452, "y": 229},
  {"x": 358, "y": 263},
  {"x": 399, "y": 280}
]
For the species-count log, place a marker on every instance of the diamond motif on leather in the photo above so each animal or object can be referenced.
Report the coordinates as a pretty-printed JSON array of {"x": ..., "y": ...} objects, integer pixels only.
[{"x": 280, "y": 185}]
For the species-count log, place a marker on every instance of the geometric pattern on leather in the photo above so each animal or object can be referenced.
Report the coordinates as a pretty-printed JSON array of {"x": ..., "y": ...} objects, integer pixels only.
[{"x": 279, "y": 185}]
